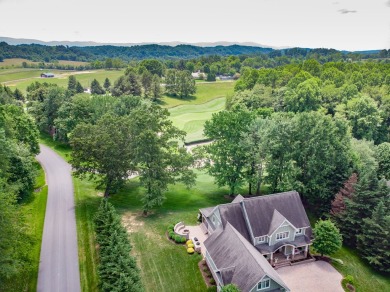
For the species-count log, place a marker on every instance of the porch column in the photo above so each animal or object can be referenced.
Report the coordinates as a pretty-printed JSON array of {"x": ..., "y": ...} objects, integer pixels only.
[
  {"x": 306, "y": 249},
  {"x": 272, "y": 258},
  {"x": 293, "y": 253}
]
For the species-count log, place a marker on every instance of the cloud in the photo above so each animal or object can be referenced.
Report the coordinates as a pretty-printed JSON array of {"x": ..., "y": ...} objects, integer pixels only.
[
  {"x": 388, "y": 3},
  {"x": 346, "y": 11}
]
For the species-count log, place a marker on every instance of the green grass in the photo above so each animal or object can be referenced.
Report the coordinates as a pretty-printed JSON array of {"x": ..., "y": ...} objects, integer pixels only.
[
  {"x": 204, "y": 93},
  {"x": 191, "y": 118},
  {"x": 61, "y": 78},
  {"x": 18, "y": 62},
  {"x": 33, "y": 210},
  {"x": 366, "y": 279}
]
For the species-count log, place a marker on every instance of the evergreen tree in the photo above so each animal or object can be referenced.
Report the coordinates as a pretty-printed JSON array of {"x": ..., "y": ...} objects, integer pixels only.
[
  {"x": 18, "y": 95},
  {"x": 374, "y": 241},
  {"x": 368, "y": 192},
  {"x": 107, "y": 84},
  {"x": 79, "y": 88},
  {"x": 156, "y": 88},
  {"x": 72, "y": 84},
  {"x": 96, "y": 88}
]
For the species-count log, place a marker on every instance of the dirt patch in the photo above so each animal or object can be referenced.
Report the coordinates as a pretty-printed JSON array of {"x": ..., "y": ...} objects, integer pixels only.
[
  {"x": 131, "y": 222},
  {"x": 206, "y": 273}
]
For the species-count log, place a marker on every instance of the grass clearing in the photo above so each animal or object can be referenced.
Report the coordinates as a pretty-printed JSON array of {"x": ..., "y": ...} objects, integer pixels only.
[
  {"x": 61, "y": 77},
  {"x": 191, "y": 118},
  {"x": 204, "y": 93},
  {"x": 18, "y": 62},
  {"x": 33, "y": 211},
  {"x": 366, "y": 279}
]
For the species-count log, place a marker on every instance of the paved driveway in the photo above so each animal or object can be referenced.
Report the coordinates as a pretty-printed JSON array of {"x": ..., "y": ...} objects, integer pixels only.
[
  {"x": 59, "y": 262},
  {"x": 316, "y": 276}
]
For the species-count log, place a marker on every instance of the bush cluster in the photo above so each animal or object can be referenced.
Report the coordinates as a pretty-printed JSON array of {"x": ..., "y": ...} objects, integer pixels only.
[
  {"x": 117, "y": 268},
  {"x": 172, "y": 235}
]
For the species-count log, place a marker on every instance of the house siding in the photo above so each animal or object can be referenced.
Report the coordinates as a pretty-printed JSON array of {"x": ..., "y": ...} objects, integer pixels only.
[
  {"x": 273, "y": 287},
  {"x": 213, "y": 268},
  {"x": 288, "y": 228}
]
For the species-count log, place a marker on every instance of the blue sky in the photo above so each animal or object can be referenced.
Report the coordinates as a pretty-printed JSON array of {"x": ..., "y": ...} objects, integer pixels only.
[{"x": 340, "y": 24}]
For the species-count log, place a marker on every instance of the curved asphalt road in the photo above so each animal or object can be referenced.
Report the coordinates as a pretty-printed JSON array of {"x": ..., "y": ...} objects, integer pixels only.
[{"x": 59, "y": 262}]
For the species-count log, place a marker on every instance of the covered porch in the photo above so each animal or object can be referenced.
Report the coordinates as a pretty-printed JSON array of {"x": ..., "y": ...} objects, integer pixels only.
[{"x": 287, "y": 253}]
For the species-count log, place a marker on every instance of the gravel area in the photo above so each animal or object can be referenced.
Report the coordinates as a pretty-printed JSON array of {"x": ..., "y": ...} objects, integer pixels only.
[{"x": 316, "y": 276}]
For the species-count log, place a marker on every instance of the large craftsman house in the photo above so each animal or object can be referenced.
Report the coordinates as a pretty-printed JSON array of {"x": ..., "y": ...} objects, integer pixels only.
[{"x": 251, "y": 235}]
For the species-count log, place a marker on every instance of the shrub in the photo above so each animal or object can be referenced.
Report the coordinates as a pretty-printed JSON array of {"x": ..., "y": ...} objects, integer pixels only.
[
  {"x": 183, "y": 239},
  {"x": 171, "y": 234},
  {"x": 171, "y": 227},
  {"x": 212, "y": 281},
  {"x": 349, "y": 279},
  {"x": 205, "y": 269},
  {"x": 212, "y": 289},
  {"x": 191, "y": 245},
  {"x": 189, "y": 242},
  {"x": 190, "y": 250}
]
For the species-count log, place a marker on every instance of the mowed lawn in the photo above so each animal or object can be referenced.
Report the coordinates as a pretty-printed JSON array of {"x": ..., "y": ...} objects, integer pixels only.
[
  {"x": 205, "y": 91},
  {"x": 61, "y": 77},
  {"x": 191, "y": 118}
]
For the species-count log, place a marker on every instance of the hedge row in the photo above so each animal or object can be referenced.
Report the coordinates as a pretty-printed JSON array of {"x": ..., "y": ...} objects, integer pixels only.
[
  {"x": 117, "y": 268},
  {"x": 172, "y": 235}
]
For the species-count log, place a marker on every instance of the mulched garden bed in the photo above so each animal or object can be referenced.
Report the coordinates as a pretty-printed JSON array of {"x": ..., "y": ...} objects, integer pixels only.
[{"x": 206, "y": 274}]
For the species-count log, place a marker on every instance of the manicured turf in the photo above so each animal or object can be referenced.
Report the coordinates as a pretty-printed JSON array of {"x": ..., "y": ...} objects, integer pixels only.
[
  {"x": 191, "y": 118},
  {"x": 366, "y": 279},
  {"x": 11, "y": 76},
  {"x": 204, "y": 93},
  {"x": 61, "y": 79}
]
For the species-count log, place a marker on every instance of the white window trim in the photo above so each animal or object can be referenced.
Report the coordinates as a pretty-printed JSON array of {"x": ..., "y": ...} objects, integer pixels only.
[
  {"x": 262, "y": 239},
  {"x": 268, "y": 280},
  {"x": 283, "y": 232}
]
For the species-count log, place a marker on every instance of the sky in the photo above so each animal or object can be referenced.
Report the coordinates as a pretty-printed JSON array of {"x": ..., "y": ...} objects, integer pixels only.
[{"x": 340, "y": 24}]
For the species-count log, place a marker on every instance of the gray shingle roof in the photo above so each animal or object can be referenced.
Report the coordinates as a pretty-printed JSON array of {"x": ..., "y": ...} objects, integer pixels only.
[
  {"x": 260, "y": 211},
  {"x": 238, "y": 199},
  {"x": 228, "y": 249},
  {"x": 233, "y": 214}
]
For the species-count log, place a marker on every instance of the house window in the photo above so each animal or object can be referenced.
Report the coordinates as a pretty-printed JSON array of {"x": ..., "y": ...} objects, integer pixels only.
[
  {"x": 261, "y": 239},
  {"x": 299, "y": 231},
  {"x": 264, "y": 284},
  {"x": 282, "y": 235}
]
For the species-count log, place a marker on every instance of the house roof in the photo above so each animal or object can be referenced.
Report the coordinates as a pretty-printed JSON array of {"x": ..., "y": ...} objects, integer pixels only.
[
  {"x": 264, "y": 219},
  {"x": 232, "y": 213},
  {"x": 207, "y": 211},
  {"x": 238, "y": 199},
  {"x": 238, "y": 261}
]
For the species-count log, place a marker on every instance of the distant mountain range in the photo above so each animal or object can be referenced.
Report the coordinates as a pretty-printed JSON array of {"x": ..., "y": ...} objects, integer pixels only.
[{"x": 16, "y": 41}]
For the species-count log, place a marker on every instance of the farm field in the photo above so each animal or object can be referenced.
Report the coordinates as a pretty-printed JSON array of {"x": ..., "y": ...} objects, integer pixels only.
[
  {"x": 191, "y": 118},
  {"x": 61, "y": 78},
  {"x": 17, "y": 62}
]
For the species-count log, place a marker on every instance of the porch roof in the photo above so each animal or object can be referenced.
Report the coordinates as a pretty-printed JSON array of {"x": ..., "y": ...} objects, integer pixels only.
[{"x": 299, "y": 241}]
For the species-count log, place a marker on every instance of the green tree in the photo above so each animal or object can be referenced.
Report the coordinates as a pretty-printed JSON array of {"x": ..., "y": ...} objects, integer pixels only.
[
  {"x": 327, "y": 237},
  {"x": 368, "y": 193},
  {"x": 185, "y": 84},
  {"x": 159, "y": 159},
  {"x": 382, "y": 155},
  {"x": 153, "y": 66},
  {"x": 227, "y": 159},
  {"x": 72, "y": 84},
  {"x": 96, "y": 88},
  {"x": 373, "y": 243},
  {"x": 103, "y": 152},
  {"x": 147, "y": 83},
  {"x": 306, "y": 97},
  {"x": 128, "y": 84},
  {"x": 156, "y": 88},
  {"x": 18, "y": 95},
  {"x": 364, "y": 117},
  {"x": 79, "y": 88},
  {"x": 108, "y": 64},
  {"x": 107, "y": 84}
]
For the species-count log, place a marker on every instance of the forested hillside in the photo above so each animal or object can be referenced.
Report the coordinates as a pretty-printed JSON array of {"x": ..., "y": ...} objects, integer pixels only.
[{"x": 42, "y": 53}]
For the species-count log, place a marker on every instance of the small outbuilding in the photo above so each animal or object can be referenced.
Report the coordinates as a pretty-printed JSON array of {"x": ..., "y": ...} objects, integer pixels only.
[{"x": 47, "y": 75}]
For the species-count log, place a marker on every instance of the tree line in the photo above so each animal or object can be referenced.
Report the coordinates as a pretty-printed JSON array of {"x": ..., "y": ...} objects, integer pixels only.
[{"x": 18, "y": 147}]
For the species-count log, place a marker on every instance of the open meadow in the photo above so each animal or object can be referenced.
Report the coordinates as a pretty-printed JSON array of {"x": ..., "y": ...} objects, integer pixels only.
[{"x": 21, "y": 78}]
